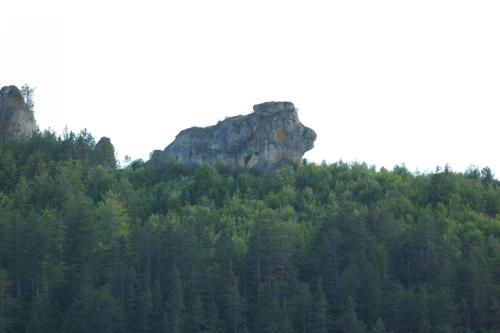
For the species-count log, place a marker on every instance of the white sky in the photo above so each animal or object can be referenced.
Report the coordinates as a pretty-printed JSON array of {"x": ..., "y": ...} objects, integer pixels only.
[{"x": 385, "y": 82}]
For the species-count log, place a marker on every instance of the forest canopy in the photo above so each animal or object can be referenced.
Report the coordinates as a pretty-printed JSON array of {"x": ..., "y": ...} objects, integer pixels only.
[{"x": 342, "y": 247}]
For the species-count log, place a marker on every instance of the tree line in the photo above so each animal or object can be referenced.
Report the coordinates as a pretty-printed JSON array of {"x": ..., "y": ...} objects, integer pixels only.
[{"x": 342, "y": 247}]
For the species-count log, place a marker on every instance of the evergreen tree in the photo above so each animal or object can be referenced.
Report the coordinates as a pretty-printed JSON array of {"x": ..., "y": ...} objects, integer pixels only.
[
  {"x": 348, "y": 321},
  {"x": 321, "y": 320},
  {"x": 173, "y": 319},
  {"x": 28, "y": 93},
  {"x": 379, "y": 327},
  {"x": 95, "y": 310},
  {"x": 7, "y": 305}
]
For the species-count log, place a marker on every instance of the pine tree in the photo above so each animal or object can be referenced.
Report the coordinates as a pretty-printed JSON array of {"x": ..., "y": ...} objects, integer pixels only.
[
  {"x": 233, "y": 305},
  {"x": 7, "y": 304},
  {"x": 95, "y": 310},
  {"x": 28, "y": 93},
  {"x": 379, "y": 327},
  {"x": 173, "y": 318},
  {"x": 349, "y": 322},
  {"x": 320, "y": 315}
]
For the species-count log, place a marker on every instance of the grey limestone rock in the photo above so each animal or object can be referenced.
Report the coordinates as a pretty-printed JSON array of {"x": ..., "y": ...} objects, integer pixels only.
[
  {"x": 268, "y": 138},
  {"x": 17, "y": 121}
]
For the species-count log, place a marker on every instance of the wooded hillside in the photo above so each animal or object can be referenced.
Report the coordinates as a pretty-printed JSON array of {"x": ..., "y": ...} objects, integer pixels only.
[{"x": 343, "y": 247}]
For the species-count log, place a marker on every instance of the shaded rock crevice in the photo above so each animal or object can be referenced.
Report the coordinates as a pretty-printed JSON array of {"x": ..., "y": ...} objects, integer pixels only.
[{"x": 268, "y": 138}]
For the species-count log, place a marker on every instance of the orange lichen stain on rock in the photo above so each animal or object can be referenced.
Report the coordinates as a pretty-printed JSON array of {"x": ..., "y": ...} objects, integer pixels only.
[{"x": 280, "y": 136}]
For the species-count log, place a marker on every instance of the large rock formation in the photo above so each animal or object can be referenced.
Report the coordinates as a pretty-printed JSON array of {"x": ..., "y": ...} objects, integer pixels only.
[
  {"x": 104, "y": 153},
  {"x": 16, "y": 119},
  {"x": 270, "y": 137}
]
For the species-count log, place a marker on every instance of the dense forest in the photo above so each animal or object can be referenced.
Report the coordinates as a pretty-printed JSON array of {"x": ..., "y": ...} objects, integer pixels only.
[{"x": 89, "y": 247}]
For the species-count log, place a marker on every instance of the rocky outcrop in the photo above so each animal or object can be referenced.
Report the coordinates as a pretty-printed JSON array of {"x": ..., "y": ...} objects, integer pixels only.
[
  {"x": 17, "y": 121},
  {"x": 270, "y": 137},
  {"x": 104, "y": 153}
]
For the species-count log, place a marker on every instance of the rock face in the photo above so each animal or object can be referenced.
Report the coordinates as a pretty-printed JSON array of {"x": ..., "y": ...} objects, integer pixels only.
[
  {"x": 16, "y": 119},
  {"x": 268, "y": 138},
  {"x": 104, "y": 153}
]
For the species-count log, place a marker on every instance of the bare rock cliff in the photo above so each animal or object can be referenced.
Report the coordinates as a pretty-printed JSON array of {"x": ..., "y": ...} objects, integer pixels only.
[
  {"x": 17, "y": 121},
  {"x": 268, "y": 138}
]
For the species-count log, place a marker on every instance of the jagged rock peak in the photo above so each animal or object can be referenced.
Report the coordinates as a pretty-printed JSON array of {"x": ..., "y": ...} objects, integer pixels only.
[
  {"x": 17, "y": 121},
  {"x": 268, "y": 138}
]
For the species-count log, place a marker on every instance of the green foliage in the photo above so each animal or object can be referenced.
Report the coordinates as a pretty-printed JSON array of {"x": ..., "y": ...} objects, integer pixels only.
[
  {"x": 95, "y": 310},
  {"x": 348, "y": 320},
  {"x": 86, "y": 247},
  {"x": 28, "y": 93},
  {"x": 379, "y": 327},
  {"x": 7, "y": 304},
  {"x": 113, "y": 222}
]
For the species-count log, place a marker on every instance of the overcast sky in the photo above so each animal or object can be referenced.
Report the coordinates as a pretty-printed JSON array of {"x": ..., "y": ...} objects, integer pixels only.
[{"x": 381, "y": 82}]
